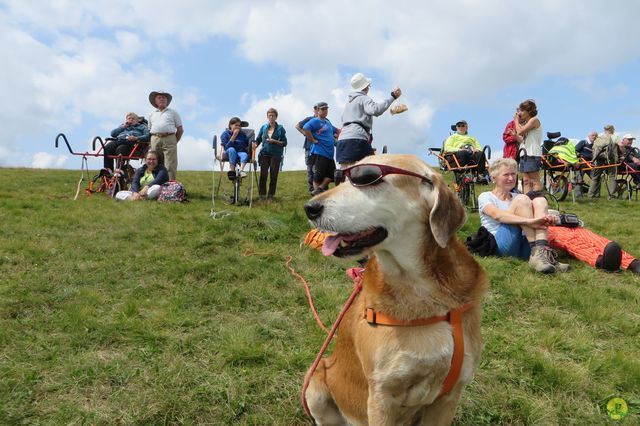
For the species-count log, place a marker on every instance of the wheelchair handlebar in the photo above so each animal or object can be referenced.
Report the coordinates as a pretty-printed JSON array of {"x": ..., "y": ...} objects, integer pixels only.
[
  {"x": 98, "y": 138},
  {"x": 64, "y": 137},
  {"x": 487, "y": 152}
]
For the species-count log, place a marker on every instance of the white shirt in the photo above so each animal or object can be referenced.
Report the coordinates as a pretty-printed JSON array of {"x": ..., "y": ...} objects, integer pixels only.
[
  {"x": 166, "y": 121},
  {"x": 489, "y": 197},
  {"x": 533, "y": 142}
]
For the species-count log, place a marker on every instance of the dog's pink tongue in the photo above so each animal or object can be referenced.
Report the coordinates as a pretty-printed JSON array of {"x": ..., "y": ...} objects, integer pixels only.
[{"x": 330, "y": 245}]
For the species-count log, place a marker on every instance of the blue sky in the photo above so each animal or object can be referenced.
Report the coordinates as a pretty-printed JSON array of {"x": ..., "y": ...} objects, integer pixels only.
[{"x": 78, "y": 67}]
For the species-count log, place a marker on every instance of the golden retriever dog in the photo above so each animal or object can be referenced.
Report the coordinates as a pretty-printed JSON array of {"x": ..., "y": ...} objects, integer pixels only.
[{"x": 399, "y": 212}]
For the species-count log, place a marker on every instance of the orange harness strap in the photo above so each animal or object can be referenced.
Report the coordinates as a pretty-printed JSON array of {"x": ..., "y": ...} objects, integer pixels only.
[{"x": 454, "y": 317}]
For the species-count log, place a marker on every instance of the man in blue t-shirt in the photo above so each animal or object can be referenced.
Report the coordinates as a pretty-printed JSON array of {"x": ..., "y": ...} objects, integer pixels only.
[
  {"x": 307, "y": 147},
  {"x": 322, "y": 135}
]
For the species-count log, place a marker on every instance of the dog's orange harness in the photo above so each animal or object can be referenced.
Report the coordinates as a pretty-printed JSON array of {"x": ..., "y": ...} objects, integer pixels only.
[{"x": 453, "y": 317}]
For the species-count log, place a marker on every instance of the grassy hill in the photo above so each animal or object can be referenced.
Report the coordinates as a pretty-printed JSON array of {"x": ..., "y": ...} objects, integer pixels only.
[{"x": 146, "y": 313}]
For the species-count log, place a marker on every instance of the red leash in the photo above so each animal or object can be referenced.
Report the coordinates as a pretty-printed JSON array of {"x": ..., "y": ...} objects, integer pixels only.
[
  {"x": 306, "y": 289},
  {"x": 356, "y": 275}
]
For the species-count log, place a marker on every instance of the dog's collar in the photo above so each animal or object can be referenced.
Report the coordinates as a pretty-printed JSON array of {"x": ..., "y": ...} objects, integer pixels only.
[{"x": 378, "y": 318}]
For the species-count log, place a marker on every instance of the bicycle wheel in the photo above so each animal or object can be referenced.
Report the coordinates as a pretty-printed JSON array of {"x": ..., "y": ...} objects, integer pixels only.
[{"x": 558, "y": 186}]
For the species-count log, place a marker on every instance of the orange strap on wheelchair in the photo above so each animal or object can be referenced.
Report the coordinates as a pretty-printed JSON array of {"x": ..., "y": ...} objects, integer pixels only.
[{"x": 454, "y": 317}]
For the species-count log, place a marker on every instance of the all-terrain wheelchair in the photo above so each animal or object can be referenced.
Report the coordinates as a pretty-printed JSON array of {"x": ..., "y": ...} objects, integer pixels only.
[
  {"x": 628, "y": 176},
  {"x": 232, "y": 194},
  {"x": 107, "y": 181},
  {"x": 563, "y": 168},
  {"x": 465, "y": 175}
]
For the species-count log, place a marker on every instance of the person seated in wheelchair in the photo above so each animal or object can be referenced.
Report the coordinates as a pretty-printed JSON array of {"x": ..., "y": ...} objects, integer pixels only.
[
  {"x": 562, "y": 154},
  {"x": 584, "y": 148},
  {"x": 133, "y": 131},
  {"x": 466, "y": 149},
  {"x": 147, "y": 179},
  {"x": 630, "y": 157},
  {"x": 236, "y": 146}
]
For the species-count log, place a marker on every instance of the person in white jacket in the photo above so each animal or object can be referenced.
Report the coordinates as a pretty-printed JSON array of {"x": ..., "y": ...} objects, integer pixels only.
[{"x": 354, "y": 142}]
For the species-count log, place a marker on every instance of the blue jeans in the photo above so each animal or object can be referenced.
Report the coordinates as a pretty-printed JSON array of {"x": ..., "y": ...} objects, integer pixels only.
[
  {"x": 511, "y": 242},
  {"x": 233, "y": 156}
]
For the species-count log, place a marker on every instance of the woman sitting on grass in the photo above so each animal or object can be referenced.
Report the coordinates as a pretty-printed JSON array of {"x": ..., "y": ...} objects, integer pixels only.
[
  {"x": 147, "y": 180},
  {"x": 523, "y": 228},
  {"x": 518, "y": 223}
]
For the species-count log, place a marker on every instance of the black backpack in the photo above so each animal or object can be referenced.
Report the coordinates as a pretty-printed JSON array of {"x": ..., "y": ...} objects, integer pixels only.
[{"x": 482, "y": 243}]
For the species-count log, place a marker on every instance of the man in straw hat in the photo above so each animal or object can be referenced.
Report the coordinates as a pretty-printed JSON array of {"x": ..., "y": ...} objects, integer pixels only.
[
  {"x": 354, "y": 142},
  {"x": 166, "y": 130}
]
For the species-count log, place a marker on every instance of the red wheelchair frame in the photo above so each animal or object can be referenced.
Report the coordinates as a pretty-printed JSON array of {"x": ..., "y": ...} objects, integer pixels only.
[
  {"x": 106, "y": 181},
  {"x": 464, "y": 177}
]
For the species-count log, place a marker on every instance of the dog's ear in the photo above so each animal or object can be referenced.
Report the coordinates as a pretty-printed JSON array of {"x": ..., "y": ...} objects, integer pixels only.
[{"x": 447, "y": 214}]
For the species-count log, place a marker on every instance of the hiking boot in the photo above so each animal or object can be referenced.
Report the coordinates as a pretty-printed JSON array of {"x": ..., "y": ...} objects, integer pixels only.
[
  {"x": 634, "y": 267},
  {"x": 551, "y": 255},
  {"x": 610, "y": 258},
  {"x": 231, "y": 174},
  {"x": 539, "y": 260},
  {"x": 243, "y": 174},
  {"x": 317, "y": 191}
]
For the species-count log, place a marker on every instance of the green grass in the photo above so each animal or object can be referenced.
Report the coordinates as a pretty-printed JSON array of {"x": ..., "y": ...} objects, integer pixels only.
[{"x": 146, "y": 313}]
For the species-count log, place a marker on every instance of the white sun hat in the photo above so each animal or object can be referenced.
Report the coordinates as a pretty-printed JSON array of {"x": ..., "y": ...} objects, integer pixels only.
[{"x": 359, "y": 82}]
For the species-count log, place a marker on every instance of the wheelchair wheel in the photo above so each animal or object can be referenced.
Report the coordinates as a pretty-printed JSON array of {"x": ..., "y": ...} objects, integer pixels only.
[
  {"x": 473, "y": 201},
  {"x": 552, "y": 201},
  {"x": 558, "y": 186},
  {"x": 463, "y": 194},
  {"x": 463, "y": 188},
  {"x": 623, "y": 189}
]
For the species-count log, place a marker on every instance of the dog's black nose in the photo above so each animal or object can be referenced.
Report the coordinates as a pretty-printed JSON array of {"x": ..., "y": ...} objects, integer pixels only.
[{"x": 313, "y": 209}]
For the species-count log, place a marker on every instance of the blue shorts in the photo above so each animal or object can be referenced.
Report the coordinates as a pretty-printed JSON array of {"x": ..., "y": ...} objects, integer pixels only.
[
  {"x": 352, "y": 150},
  {"x": 511, "y": 242},
  {"x": 531, "y": 164}
]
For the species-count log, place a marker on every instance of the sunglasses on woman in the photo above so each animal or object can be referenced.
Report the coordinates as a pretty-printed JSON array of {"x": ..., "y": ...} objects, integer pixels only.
[{"x": 371, "y": 174}]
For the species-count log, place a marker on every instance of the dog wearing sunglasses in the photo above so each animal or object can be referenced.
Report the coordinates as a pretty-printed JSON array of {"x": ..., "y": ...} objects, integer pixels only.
[{"x": 399, "y": 212}]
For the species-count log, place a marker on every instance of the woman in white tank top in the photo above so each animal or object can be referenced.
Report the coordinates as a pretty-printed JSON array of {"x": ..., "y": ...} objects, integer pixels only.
[{"x": 530, "y": 138}]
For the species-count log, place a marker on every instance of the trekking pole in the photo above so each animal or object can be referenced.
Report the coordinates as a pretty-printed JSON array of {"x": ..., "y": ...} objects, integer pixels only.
[{"x": 253, "y": 165}]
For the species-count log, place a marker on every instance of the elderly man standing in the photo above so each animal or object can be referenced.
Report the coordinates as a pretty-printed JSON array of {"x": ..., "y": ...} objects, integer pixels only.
[
  {"x": 605, "y": 154},
  {"x": 166, "y": 130}
]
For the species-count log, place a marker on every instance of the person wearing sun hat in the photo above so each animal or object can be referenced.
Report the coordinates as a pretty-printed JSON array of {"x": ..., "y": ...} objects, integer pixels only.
[
  {"x": 166, "y": 130},
  {"x": 630, "y": 156},
  {"x": 354, "y": 142}
]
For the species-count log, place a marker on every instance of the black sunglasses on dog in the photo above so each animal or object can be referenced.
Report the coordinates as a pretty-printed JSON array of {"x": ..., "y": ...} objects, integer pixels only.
[{"x": 371, "y": 174}]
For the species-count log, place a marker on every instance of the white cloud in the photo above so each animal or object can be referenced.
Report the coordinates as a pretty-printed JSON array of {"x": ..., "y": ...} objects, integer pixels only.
[
  {"x": 44, "y": 160},
  {"x": 84, "y": 65}
]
